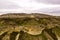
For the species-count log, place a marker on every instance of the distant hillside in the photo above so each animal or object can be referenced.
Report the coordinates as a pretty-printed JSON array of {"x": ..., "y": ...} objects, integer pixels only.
[{"x": 20, "y": 15}]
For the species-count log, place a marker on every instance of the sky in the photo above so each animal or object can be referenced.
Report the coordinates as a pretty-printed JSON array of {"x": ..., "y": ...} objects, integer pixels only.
[{"x": 30, "y": 6}]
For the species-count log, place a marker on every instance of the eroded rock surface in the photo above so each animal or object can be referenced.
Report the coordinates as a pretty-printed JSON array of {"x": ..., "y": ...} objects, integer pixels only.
[{"x": 29, "y": 27}]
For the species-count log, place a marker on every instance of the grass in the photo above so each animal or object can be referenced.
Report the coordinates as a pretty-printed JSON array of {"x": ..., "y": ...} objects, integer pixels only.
[{"x": 49, "y": 25}]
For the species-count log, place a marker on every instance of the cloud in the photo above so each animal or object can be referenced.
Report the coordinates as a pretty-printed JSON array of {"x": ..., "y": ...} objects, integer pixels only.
[
  {"x": 21, "y": 4},
  {"x": 49, "y": 1},
  {"x": 29, "y": 6},
  {"x": 8, "y": 5},
  {"x": 49, "y": 10},
  {"x": 32, "y": 4}
]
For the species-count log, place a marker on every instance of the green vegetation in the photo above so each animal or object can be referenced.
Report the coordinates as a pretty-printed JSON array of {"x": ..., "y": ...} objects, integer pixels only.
[{"x": 51, "y": 25}]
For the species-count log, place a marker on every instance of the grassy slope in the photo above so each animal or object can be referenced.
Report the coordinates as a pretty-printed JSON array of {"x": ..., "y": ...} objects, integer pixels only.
[{"x": 45, "y": 21}]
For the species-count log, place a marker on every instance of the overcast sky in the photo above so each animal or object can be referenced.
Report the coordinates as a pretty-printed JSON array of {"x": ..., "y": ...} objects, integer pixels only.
[{"x": 28, "y": 6}]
